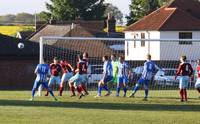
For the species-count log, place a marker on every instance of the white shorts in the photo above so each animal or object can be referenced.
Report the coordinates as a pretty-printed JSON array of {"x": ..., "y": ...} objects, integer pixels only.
[
  {"x": 197, "y": 84},
  {"x": 54, "y": 80},
  {"x": 66, "y": 77},
  {"x": 183, "y": 82}
]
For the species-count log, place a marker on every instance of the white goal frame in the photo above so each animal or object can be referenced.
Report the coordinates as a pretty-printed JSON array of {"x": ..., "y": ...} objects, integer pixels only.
[{"x": 43, "y": 38}]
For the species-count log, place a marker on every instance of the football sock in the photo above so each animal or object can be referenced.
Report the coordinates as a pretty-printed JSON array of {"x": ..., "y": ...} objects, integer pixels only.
[
  {"x": 84, "y": 88},
  {"x": 99, "y": 90},
  {"x": 51, "y": 93},
  {"x": 105, "y": 87},
  {"x": 79, "y": 89},
  {"x": 135, "y": 90},
  {"x": 118, "y": 90},
  {"x": 33, "y": 93},
  {"x": 198, "y": 89},
  {"x": 181, "y": 94},
  {"x": 47, "y": 93},
  {"x": 146, "y": 92},
  {"x": 72, "y": 89},
  {"x": 185, "y": 94},
  {"x": 125, "y": 90},
  {"x": 61, "y": 90}
]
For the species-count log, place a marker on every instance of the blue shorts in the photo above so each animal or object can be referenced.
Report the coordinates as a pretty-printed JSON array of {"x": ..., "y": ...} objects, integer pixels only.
[
  {"x": 38, "y": 83},
  {"x": 107, "y": 79},
  {"x": 77, "y": 79},
  {"x": 123, "y": 80},
  {"x": 183, "y": 82},
  {"x": 84, "y": 78},
  {"x": 54, "y": 80},
  {"x": 66, "y": 77},
  {"x": 144, "y": 82}
]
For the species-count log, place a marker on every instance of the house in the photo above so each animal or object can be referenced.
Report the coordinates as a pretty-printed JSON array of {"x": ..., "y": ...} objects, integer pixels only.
[
  {"x": 17, "y": 65},
  {"x": 95, "y": 49},
  {"x": 178, "y": 20}
]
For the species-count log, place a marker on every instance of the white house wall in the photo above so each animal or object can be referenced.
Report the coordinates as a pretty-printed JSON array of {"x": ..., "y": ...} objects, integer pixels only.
[
  {"x": 173, "y": 51},
  {"x": 138, "y": 52}
]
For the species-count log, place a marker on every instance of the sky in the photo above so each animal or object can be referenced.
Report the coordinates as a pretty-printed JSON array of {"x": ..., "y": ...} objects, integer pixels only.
[{"x": 32, "y": 6}]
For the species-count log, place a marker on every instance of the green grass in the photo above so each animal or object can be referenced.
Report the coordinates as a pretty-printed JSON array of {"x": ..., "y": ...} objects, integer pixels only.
[{"x": 162, "y": 107}]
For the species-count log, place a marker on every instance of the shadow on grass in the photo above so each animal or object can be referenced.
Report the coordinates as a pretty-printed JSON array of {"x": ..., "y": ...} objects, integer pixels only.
[{"x": 105, "y": 106}]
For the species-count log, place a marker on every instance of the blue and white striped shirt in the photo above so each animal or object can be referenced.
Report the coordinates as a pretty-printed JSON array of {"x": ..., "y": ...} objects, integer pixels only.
[
  {"x": 123, "y": 69},
  {"x": 149, "y": 69},
  {"x": 42, "y": 71},
  {"x": 107, "y": 68}
]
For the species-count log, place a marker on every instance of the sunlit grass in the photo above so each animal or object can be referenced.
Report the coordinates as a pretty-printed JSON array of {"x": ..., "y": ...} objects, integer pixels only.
[{"x": 162, "y": 107}]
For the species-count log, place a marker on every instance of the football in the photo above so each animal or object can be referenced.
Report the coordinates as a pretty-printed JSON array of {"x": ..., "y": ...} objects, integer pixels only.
[{"x": 20, "y": 45}]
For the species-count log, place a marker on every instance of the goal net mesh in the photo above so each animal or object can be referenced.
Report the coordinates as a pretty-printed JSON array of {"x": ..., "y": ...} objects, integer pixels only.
[{"x": 165, "y": 53}]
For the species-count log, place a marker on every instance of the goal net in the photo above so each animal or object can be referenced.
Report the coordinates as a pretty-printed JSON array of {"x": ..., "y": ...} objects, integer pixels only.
[{"x": 165, "y": 52}]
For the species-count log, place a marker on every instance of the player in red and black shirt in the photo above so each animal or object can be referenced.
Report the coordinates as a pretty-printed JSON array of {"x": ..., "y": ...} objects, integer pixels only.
[
  {"x": 55, "y": 73},
  {"x": 67, "y": 71},
  {"x": 185, "y": 71},
  {"x": 76, "y": 81},
  {"x": 85, "y": 75}
]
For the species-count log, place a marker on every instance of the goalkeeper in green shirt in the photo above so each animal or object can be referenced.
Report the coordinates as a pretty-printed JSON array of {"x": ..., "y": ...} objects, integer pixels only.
[{"x": 114, "y": 62}]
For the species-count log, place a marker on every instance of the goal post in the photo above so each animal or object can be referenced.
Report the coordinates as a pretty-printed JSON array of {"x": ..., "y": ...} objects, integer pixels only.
[{"x": 165, "y": 52}]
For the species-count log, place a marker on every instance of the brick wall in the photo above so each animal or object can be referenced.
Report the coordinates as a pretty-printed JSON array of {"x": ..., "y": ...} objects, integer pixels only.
[{"x": 17, "y": 74}]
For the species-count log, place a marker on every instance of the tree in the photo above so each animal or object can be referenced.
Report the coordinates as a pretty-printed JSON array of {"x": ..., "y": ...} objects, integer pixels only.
[
  {"x": 113, "y": 10},
  {"x": 72, "y": 9},
  {"x": 7, "y": 18},
  {"x": 43, "y": 16},
  {"x": 140, "y": 8},
  {"x": 24, "y": 17}
]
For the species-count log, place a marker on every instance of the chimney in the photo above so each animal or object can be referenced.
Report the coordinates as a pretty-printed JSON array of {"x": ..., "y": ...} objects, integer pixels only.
[
  {"x": 111, "y": 23},
  {"x": 52, "y": 21},
  {"x": 72, "y": 26}
]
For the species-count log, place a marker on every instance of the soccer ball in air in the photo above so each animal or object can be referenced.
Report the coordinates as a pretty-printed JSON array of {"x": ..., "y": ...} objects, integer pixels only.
[{"x": 20, "y": 45}]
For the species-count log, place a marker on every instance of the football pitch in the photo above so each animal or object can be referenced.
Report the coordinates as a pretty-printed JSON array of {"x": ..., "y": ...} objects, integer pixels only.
[{"x": 162, "y": 107}]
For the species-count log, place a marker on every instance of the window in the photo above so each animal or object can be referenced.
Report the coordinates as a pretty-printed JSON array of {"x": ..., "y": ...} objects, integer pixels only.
[
  {"x": 143, "y": 41},
  {"x": 185, "y": 35},
  {"x": 134, "y": 42},
  {"x": 127, "y": 48}
]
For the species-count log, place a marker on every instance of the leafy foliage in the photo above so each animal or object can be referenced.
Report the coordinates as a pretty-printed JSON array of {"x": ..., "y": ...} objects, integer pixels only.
[
  {"x": 72, "y": 9},
  {"x": 140, "y": 8}
]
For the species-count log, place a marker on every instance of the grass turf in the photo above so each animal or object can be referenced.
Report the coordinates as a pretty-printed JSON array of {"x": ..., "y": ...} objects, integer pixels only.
[{"x": 162, "y": 107}]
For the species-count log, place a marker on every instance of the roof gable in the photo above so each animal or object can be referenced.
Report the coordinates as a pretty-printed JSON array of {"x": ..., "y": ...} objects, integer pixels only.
[
  {"x": 152, "y": 21},
  {"x": 52, "y": 30},
  {"x": 176, "y": 16}
]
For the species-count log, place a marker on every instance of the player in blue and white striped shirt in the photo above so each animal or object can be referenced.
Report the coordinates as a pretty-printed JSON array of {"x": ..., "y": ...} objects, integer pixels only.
[
  {"x": 149, "y": 68},
  {"x": 42, "y": 71},
  {"x": 123, "y": 75},
  {"x": 107, "y": 77}
]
